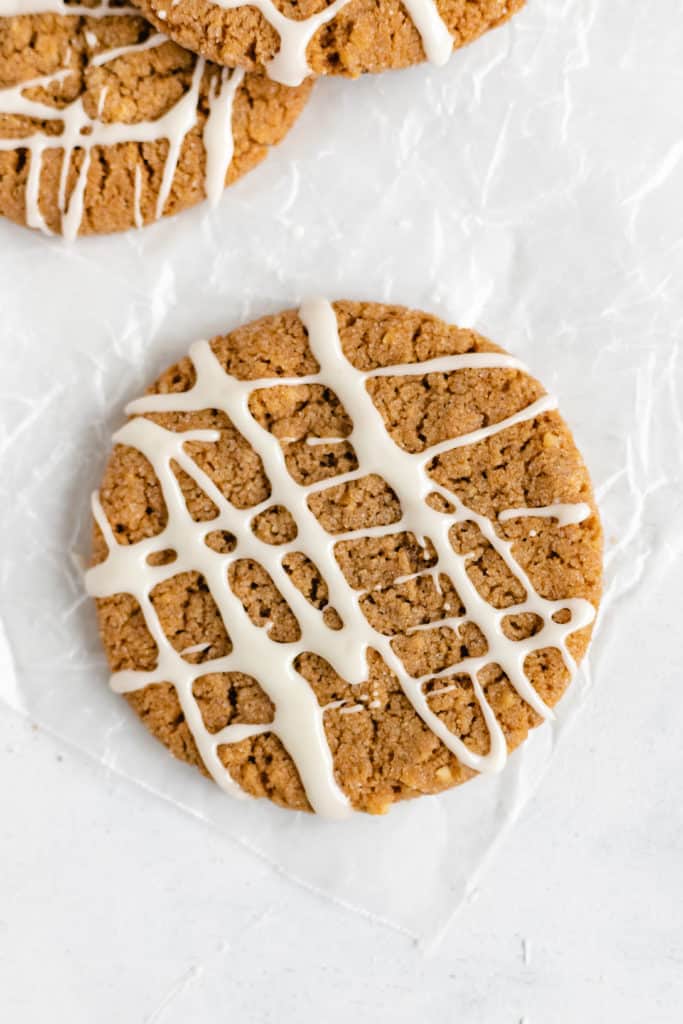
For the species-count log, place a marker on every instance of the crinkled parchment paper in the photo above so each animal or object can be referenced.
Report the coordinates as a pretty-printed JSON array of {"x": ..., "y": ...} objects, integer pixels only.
[{"x": 532, "y": 189}]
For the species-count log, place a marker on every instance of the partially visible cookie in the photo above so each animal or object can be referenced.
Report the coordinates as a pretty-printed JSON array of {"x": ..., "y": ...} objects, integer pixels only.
[
  {"x": 106, "y": 125},
  {"x": 345, "y": 556},
  {"x": 326, "y": 37}
]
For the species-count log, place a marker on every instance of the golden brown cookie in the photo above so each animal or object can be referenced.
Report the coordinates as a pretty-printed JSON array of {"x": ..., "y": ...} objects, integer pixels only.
[
  {"x": 326, "y": 37},
  {"x": 105, "y": 124},
  {"x": 345, "y": 556}
]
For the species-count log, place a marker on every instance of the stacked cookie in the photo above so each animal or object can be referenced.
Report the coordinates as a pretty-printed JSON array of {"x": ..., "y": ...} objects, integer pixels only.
[
  {"x": 343, "y": 556},
  {"x": 109, "y": 121}
]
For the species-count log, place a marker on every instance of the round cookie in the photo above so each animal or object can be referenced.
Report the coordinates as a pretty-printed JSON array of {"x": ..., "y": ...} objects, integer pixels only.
[
  {"x": 105, "y": 124},
  {"x": 326, "y": 37},
  {"x": 344, "y": 557}
]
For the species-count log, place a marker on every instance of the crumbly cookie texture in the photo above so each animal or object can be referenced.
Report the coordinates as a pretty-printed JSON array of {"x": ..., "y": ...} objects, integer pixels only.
[
  {"x": 382, "y": 751},
  {"x": 127, "y": 88},
  {"x": 363, "y": 36}
]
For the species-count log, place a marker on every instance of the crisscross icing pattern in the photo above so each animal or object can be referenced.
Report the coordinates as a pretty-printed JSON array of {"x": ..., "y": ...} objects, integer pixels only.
[
  {"x": 298, "y": 718},
  {"x": 81, "y": 132}
]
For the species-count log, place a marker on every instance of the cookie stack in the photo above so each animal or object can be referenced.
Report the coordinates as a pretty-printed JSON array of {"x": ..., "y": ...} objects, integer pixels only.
[
  {"x": 111, "y": 117},
  {"x": 343, "y": 556}
]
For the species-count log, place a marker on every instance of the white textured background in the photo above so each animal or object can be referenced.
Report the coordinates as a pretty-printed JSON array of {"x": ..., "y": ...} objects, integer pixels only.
[{"x": 533, "y": 189}]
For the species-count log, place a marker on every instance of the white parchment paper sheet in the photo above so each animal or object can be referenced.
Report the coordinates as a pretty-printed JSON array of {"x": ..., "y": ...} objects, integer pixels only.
[{"x": 531, "y": 189}]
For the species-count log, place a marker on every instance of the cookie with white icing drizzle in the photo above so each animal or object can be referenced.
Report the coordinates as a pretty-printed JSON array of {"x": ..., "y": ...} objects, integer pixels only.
[
  {"x": 105, "y": 124},
  {"x": 345, "y": 556},
  {"x": 326, "y": 37}
]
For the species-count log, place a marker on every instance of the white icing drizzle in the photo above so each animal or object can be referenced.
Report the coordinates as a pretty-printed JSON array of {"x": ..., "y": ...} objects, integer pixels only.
[
  {"x": 137, "y": 198},
  {"x": 81, "y": 133},
  {"x": 194, "y": 649},
  {"x": 218, "y": 137},
  {"x": 567, "y": 514},
  {"x": 290, "y": 64},
  {"x": 298, "y": 718},
  {"x": 151, "y": 43},
  {"x": 436, "y": 39},
  {"x": 101, "y": 100}
]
